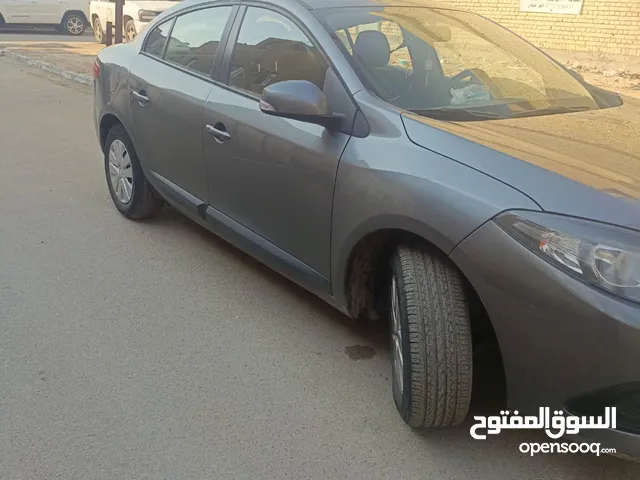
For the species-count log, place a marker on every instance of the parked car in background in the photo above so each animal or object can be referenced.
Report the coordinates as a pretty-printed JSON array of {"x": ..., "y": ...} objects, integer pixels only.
[
  {"x": 418, "y": 165},
  {"x": 67, "y": 16},
  {"x": 137, "y": 15}
]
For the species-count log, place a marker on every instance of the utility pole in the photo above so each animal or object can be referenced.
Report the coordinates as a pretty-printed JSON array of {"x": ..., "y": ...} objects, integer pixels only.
[{"x": 119, "y": 12}]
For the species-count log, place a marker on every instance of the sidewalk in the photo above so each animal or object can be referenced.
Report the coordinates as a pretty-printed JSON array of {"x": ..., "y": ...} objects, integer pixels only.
[{"x": 618, "y": 73}]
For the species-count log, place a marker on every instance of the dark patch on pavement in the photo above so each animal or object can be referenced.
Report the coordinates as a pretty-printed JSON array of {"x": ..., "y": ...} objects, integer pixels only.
[{"x": 359, "y": 352}]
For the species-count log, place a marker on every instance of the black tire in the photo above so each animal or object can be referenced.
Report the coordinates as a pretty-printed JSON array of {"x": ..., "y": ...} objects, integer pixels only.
[
  {"x": 73, "y": 24},
  {"x": 144, "y": 202},
  {"x": 433, "y": 308},
  {"x": 129, "y": 29},
  {"x": 98, "y": 31}
]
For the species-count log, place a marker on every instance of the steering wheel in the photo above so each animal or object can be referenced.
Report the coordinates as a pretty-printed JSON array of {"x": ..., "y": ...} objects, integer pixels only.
[{"x": 470, "y": 76}]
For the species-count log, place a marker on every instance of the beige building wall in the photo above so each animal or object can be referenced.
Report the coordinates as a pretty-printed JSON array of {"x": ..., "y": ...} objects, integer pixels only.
[{"x": 607, "y": 26}]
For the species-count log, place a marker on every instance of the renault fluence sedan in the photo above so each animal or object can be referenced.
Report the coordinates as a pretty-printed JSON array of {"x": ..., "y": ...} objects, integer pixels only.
[{"x": 413, "y": 164}]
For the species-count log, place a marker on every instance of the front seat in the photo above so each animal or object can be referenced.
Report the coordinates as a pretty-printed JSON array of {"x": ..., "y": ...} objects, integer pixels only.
[{"x": 373, "y": 51}]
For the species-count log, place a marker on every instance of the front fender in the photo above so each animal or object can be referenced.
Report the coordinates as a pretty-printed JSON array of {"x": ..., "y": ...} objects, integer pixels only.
[{"x": 391, "y": 183}]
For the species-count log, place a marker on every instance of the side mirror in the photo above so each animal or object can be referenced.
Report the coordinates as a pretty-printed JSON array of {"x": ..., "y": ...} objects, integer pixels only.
[{"x": 299, "y": 100}]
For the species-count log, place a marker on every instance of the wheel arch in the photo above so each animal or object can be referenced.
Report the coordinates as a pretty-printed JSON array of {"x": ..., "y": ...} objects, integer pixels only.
[
  {"x": 107, "y": 122},
  {"x": 363, "y": 282},
  {"x": 80, "y": 13},
  {"x": 367, "y": 242}
]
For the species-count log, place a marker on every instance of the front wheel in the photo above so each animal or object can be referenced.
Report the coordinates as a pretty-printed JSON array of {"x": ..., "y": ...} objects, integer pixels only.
[
  {"x": 74, "y": 24},
  {"x": 430, "y": 339}
]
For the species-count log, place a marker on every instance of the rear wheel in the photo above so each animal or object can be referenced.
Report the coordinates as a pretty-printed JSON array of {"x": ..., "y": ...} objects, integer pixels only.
[
  {"x": 130, "y": 191},
  {"x": 74, "y": 24},
  {"x": 98, "y": 32},
  {"x": 430, "y": 339}
]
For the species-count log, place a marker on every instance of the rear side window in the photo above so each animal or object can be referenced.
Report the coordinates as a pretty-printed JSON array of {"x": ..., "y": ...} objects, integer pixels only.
[
  {"x": 195, "y": 38},
  {"x": 156, "y": 39},
  {"x": 271, "y": 49}
]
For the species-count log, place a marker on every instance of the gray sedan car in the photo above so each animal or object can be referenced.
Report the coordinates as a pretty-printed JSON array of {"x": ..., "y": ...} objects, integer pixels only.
[{"x": 417, "y": 165}]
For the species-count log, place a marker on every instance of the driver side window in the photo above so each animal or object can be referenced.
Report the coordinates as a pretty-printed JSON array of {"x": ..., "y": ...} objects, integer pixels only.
[{"x": 270, "y": 49}]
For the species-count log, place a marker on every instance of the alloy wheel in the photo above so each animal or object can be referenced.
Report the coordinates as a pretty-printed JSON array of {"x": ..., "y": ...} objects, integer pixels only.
[
  {"x": 130, "y": 33},
  {"x": 75, "y": 25}
]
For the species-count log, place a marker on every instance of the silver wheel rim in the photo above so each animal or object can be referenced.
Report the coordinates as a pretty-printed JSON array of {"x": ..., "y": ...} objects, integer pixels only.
[
  {"x": 75, "y": 25},
  {"x": 130, "y": 34},
  {"x": 120, "y": 172},
  {"x": 396, "y": 336}
]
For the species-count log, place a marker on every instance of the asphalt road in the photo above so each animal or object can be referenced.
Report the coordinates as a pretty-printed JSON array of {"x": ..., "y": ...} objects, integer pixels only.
[
  {"x": 154, "y": 350},
  {"x": 41, "y": 35}
]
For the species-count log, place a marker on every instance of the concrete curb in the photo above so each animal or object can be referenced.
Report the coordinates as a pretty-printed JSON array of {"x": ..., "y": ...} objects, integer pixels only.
[{"x": 75, "y": 77}]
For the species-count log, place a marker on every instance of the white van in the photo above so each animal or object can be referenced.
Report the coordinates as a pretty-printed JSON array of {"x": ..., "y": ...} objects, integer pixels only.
[
  {"x": 137, "y": 15},
  {"x": 68, "y": 16}
]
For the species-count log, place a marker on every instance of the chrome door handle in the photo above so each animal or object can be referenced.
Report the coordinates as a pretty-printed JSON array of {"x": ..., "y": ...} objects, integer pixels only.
[
  {"x": 220, "y": 135},
  {"x": 142, "y": 99}
]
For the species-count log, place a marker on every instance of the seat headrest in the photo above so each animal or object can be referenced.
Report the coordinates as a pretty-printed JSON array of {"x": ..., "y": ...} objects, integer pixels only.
[{"x": 372, "y": 48}]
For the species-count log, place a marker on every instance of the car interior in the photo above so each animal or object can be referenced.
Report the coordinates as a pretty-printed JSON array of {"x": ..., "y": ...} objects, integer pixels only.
[{"x": 424, "y": 84}]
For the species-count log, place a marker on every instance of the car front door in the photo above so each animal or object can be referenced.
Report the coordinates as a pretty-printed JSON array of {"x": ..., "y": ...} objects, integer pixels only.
[
  {"x": 274, "y": 176},
  {"x": 170, "y": 80}
]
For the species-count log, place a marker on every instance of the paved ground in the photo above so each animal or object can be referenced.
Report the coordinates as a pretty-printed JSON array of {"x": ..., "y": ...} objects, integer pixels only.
[{"x": 155, "y": 350}]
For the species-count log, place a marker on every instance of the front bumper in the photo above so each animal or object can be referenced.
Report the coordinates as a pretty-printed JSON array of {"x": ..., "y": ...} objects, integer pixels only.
[{"x": 563, "y": 342}]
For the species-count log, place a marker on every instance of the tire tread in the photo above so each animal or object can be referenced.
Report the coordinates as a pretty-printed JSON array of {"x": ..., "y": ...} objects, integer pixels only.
[{"x": 439, "y": 338}]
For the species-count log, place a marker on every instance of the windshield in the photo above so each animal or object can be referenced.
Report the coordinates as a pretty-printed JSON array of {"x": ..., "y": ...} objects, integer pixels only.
[{"x": 448, "y": 63}]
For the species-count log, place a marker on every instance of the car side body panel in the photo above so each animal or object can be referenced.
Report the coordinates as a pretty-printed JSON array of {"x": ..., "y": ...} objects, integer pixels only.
[
  {"x": 425, "y": 193},
  {"x": 112, "y": 95}
]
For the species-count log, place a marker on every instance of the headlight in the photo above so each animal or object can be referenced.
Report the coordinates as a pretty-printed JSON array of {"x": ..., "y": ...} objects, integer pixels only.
[
  {"x": 147, "y": 15},
  {"x": 603, "y": 255}
]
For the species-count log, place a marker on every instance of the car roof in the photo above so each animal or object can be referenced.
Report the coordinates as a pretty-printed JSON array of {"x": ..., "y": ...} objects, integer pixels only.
[
  {"x": 317, "y": 4},
  {"x": 320, "y": 4}
]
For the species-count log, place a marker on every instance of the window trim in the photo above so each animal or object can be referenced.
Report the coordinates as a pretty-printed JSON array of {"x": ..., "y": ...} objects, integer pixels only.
[
  {"x": 222, "y": 46},
  {"x": 143, "y": 51}
]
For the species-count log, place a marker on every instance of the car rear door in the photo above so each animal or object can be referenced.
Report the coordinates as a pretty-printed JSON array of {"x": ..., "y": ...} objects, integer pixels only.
[
  {"x": 273, "y": 176},
  {"x": 35, "y": 11},
  {"x": 170, "y": 80},
  {"x": 19, "y": 11}
]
